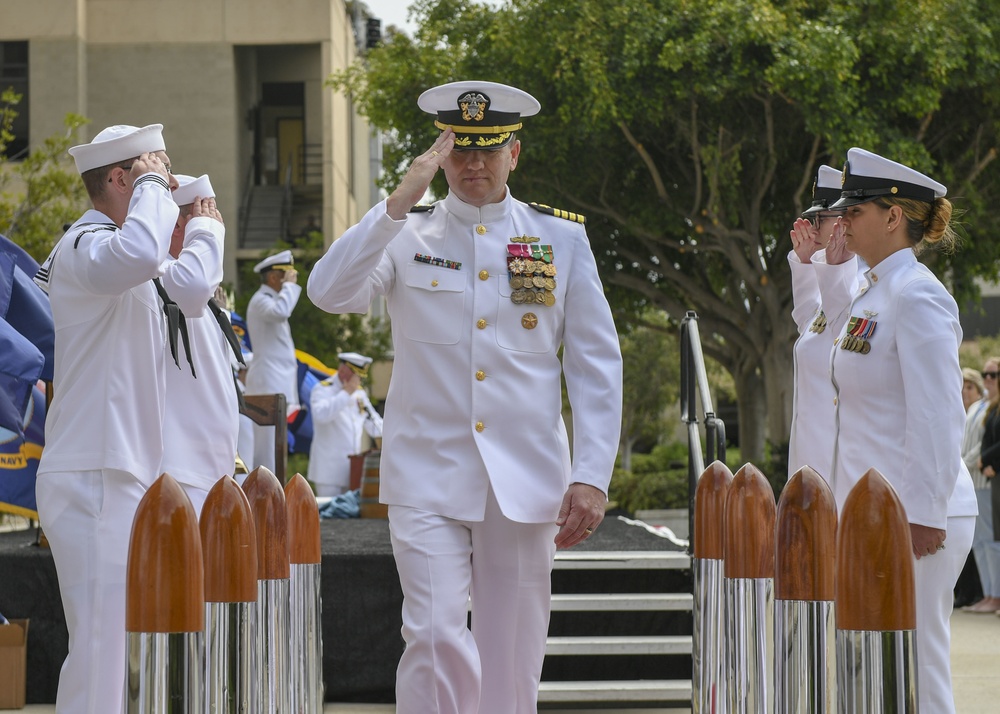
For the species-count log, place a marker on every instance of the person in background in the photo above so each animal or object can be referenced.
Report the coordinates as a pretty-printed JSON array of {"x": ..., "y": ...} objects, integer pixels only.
[
  {"x": 274, "y": 369},
  {"x": 824, "y": 279},
  {"x": 341, "y": 415},
  {"x": 201, "y": 420},
  {"x": 895, "y": 363},
  {"x": 104, "y": 427},
  {"x": 486, "y": 293},
  {"x": 989, "y": 463},
  {"x": 973, "y": 590}
]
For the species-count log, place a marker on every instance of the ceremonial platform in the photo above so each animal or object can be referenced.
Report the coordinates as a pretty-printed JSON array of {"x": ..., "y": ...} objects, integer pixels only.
[{"x": 361, "y": 610}]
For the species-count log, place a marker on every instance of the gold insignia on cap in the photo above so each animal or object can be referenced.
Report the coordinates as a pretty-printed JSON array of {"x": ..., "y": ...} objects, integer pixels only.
[{"x": 473, "y": 106}]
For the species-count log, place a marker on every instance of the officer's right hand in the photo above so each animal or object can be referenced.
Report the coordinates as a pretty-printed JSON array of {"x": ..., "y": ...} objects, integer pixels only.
[
  {"x": 418, "y": 178},
  {"x": 291, "y": 276}
]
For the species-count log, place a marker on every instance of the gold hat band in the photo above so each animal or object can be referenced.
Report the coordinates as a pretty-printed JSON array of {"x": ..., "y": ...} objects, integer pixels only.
[
  {"x": 477, "y": 129},
  {"x": 281, "y": 267},
  {"x": 360, "y": 371}
]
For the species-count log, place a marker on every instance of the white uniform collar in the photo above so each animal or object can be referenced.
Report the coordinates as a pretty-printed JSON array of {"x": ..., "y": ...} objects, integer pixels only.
[
  {"x": 489, "y": 213},
  {"x": 895, "y": 261}
]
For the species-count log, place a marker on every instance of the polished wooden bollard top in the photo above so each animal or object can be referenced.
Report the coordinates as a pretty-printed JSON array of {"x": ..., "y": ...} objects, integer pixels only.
[
  {"x": 267, "y": 503},
  {"x": 303, "y": 523},
  {"x": 229, "y": 544},
  {"x": 165, "y": 577},
  {"x": 749, "y": 526},
  {"x": 805, "y": 539},
  {"x": 875, "y": 586},
  {"x": 709, "y": 511}
]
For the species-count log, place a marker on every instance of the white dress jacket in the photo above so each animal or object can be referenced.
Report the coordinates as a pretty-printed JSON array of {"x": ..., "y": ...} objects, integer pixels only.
[{"x": 475, "y": 398}]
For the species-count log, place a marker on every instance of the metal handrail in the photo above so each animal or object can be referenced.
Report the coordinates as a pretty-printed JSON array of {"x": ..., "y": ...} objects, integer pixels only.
[
  {"x": 694, "y": 376},
  {"x": 245, "y": 203},
  {"x": 286, "y": 198}
]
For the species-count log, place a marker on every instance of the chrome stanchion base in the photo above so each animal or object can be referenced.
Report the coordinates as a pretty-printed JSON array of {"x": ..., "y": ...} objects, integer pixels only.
[
  {"x": 272, "y": 659},
  {"x": 804, "y": 676},
  {"x": 231, "y": 628},
  {"x": 708, "y": 694},
  {"x": 876, "y": 672},
  {"x": 165, "y": 673},
  {"x": 750, "y": 646},
  {"x": 307, "y": 639}
]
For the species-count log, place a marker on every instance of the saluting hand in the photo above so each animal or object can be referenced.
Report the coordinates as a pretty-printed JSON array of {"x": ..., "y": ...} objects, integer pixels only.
[
  {"x": 418, "y": 177},
  {"x": 805, "y": 239},
  {"x": 148, "y": 162},
  {"x": 205, "y": 207},
  {"x": 837, "y": 251}
]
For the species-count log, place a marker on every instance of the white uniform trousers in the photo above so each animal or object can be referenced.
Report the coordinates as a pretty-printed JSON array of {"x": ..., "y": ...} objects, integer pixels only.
[
  {"x": 87, "y": 518},
  {"x": 935, "y": 578},
  {"x": 507, "y": 567},
  {"x": 197, "y": 496}
]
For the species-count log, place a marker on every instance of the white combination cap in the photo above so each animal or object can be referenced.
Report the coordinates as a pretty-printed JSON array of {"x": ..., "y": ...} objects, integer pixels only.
[
  {"x": 868, "y": 176},
  {"x": 357, "y": 362},
  {"x": 189, "y": 188},
  {"x": 483, "y": 115},
  {"x": 279, "y": 261},
  {"x": 826, "y": 190},
  {"x": 117, "y": 143}
]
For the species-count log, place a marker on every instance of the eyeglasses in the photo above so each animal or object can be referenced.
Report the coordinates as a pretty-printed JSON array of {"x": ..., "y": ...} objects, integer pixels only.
[
  {"x": 818, "y": 218},
  {"x": 989, "y": 375}
]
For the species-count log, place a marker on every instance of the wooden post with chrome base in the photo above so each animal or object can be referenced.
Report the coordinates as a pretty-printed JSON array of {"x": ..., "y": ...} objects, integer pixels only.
[
  {"x": 749, "y": 573},
  {"x": 165, "y": 605},
  {"x": 707, "y": 651},
  {"x": 267, "y": 503},
  {"x": 229, "y": 544},
  {"x": 805, "y": 549},
  {"x": 876, "y": 603},
  {"x": 305, "y": 560}
]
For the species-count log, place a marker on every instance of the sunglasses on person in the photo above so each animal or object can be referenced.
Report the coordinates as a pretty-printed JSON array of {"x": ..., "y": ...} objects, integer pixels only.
[{"x": 989, "y": 375}]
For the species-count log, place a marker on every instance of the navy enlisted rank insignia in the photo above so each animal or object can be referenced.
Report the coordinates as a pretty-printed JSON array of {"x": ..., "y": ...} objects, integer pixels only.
[
  {"x": 819, "y": 323},
  {"x": 859, "y": 331}
]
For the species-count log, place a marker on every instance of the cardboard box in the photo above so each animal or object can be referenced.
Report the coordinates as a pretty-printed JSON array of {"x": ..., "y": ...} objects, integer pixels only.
[{"x": 13, "y": 664}]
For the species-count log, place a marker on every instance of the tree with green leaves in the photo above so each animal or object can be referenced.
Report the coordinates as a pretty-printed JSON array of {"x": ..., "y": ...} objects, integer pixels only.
[
  {"x": 689, "y": 133},
  {"x": 42, "y": 192}
]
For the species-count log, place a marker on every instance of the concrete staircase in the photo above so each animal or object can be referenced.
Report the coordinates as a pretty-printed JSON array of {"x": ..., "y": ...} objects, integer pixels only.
[
  {"x": 263, "y": 218},
  {"x": 620, "y": 630}
]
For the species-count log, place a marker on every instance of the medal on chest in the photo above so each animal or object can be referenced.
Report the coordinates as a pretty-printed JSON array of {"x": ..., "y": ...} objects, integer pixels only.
[
  {"x": 531, "y": 273},
  {"x": 859, "y": 331},
  {"x": 819, "y": 323}
]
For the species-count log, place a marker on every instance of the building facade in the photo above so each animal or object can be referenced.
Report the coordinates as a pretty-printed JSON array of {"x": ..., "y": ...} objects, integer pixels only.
[{"x": 237, "y": 84}]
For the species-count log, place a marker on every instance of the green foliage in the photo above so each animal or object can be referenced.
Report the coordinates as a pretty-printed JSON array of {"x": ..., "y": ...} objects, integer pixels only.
[
  {"x": 689, "y": 133},
  {"x": 657, "y": 480},
  {"x": 43, "y": 192},
  {"x": 651, "y": 381},
  {"x": 313, "y": 330}
]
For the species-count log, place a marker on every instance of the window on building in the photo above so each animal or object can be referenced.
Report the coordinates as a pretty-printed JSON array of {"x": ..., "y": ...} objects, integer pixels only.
[{"x": 14, "y": 75}]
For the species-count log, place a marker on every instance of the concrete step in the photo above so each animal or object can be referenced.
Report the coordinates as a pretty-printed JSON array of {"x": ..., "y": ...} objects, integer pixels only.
[
  {"x": 624, "y": 602},
  {"x": 622, "y": 560},
  {"x": 619, "y": 645},
  {"x": 645, "y": 690}
]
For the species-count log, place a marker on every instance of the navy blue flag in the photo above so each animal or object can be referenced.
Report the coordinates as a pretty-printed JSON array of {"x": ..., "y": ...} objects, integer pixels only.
[
  {"x": 19, "y": 455},
  {"x": 20, "y": 368},
  {"x": 23, "y": 304}
]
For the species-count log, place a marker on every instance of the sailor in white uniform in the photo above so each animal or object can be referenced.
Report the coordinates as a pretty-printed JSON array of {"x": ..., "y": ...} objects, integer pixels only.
[
  {"x": 103, "y": 431},
  {"x": 825, "y": 277},
  {"x": 341, "y": 415},
  {"x": 274, "y": 369},
  {"x": 899, "y": 391},
  {"x": 201, "y": 421},
  {"x": 486, "y": 293}
]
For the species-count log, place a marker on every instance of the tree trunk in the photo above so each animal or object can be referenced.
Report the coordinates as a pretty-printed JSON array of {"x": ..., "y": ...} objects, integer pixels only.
[{"x": 752, "y": 406}]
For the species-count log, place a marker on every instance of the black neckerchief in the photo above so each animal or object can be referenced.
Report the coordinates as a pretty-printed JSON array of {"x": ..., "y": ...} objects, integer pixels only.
[
  {"x": 234, "y": 343},
  {"x": 175, "y": 323}
]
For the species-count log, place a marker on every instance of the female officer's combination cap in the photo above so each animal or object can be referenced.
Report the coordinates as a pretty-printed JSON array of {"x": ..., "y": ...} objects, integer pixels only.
[
  {"x": 868, "y": 176},
  {"x": 826, "y": 190},
  {"x": 483, "y": 115}
]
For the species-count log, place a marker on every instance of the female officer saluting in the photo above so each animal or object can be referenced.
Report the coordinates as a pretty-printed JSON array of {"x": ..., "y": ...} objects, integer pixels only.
[{"x": 898, "y": 381}]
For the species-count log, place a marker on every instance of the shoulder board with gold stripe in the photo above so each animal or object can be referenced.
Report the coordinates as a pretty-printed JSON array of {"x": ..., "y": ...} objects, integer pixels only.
[
  {"x": 559, "y": 213},
  {"x": 421, "y": 209},
  {"x": 326, "y": 382}
]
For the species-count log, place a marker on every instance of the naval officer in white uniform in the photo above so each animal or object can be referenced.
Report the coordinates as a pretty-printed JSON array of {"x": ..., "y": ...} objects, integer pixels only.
[
  {"x": 273, "y": 369},
  {"x": 825, "y": 278},
  {"x": 104, "y": 428},
  {"x": 483, "y": 291},
  {"x": 341, "y": 415},
  {"x": 201, "y": 421},
  {"x": 899, "y": 390}
]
